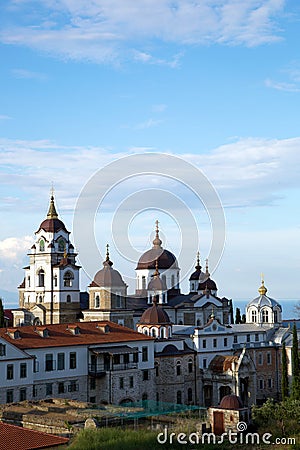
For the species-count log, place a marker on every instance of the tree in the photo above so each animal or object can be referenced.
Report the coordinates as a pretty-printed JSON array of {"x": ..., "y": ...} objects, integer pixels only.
[
  {"x": 295, "y": 366},
  {"x": 243, "y": 320},
  {"x": 284, "y": 374},
  {"x": 238, "y": 318},
  {"x": 1, "y": 314}
]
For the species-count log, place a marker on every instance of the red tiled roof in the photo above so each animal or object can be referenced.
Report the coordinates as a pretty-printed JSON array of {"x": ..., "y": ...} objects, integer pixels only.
[
  {"x": 220, "y": 363},
  {"x": 18, "y": 438},
  {"x": 59, "y": 335}
]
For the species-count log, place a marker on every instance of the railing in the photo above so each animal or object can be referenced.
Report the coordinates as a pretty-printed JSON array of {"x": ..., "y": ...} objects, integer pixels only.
[{"x": 101, "y": 369}]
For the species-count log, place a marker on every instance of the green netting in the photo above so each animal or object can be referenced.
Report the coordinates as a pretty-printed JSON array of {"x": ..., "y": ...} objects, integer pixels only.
[{"x": 145, "y": 408}]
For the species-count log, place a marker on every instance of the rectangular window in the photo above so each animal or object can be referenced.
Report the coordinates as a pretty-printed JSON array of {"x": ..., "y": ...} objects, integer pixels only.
[
  {"x": 215, "y": 343},
  {"x": 73, "y": 386},
  {"x": 22, "y": 394},
  {"x": 10, "y": 372},
  {"x": 49, "y": 362},
  {"x": 270, "y": 383},
  {"x": 131, "y": 382},
  {"x": 23, "y": 370},
  {"x": 204, "y": 363},
  {"x": 248, "y": 337},
  {"x": 135, "y": 357},
  {"x": 9, "y": 396},
  {"x": 2, "y": 349},
  {"x": 126, "y": 358},
  {"x": 269, "y": 358},
  {"x": 92, "y": 384},
  {"x": 235, "y": 339},
  {"x": 116, "y": 359},
  {"x": 204, "y": 343},
  {"x": 144, "y": 353},
  {"x": 36, "y": 365},
  {"x": 48, "y": 388},
  {"x": 34, "y": 391},
  {"x": 256, "y": 337},
  {"x": 260, "y": 359},
  {"x": 145, "y": 375},
  {"x": 121, "y": 383},
  {"x": 60, "y": 361},
  {"x": 73, "y": 360},
  {"x": 61, "y": 388},
  {"x": 225, "y": 342},
  {"x": 261, "y": 384}
]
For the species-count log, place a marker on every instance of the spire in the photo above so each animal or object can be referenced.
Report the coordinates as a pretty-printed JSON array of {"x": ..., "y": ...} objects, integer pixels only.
[
  {"x": 157, "y": 241},
  {"x": 262, "y": 290},
  {"x": 198, "y": 266},
  {"x": 156, "y": 273},
  {"x": 206, "y": 267},
  {"x": 52, "y": 214},
  {"x": 107, "y": 261}
]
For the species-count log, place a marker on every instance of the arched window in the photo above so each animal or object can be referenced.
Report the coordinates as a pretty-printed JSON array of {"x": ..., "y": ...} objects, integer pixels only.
[
  {"x": 41, "y": 278},
  {"x": 190, "y": 365},
  {"x": 253, "y": 316},
  {"x": 42, "y": 245},
  {"x": 198, "y": 322},
  {"x": 68, "y": 279},
  {"x": 97, "y": 301},
  {"x": 265, "y": 316},
  {"x": 154, "y": 334},
  {"x": 68, "y": 298},
  {"x": 275, "y": 316},
  {"x": 143, "y": 282},
  {"x": 55, "y": 280},
  {"x": 179, "y": 397},
  {"x": 190, "y": 394},
  {"x": 40, "y": 299},
  {"x": 193, "y": 287},
  {"x": 61, "y": 245},
  {"x": 178, "y": 368},
  {"x": 162, "y": 332}
]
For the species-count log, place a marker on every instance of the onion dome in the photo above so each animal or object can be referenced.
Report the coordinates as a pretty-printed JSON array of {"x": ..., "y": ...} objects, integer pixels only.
[
  {"x": 52, "y": 224},
  {"x": 207, "y": 284},
  {"x": 166, "y": 259},
  {"x": 263, "y": 299},
  {"x": 231, "y": 402},
  {"x": 157, "y": 284},
  {"x": 196, "y": 275},
  {"x": 108, "y": 277},
  {"x": 155, "y": 315}
]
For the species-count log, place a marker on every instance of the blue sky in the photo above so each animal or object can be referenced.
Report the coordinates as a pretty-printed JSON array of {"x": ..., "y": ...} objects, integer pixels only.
[{"x": 214, "y": 82}]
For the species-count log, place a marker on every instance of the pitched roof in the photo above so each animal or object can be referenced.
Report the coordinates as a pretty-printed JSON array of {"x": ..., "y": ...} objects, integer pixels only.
[
  {"x": 18, "y": 438},
  {"x": 100, "y": 332}
]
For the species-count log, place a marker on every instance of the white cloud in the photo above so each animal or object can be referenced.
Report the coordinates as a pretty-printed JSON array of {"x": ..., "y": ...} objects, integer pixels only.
[
  {"x": 102, "y": 31},
  {"x": 28, "y": 74},
  {"x": 282, "y": 86},
  {"x": 12, "y": 249},
  {"x": 4, "y": 117},
  {"x": 150, "y": 123}
]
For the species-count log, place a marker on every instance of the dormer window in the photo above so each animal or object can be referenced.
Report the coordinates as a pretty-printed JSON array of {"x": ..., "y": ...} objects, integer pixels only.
[
  {"x": 42, "y": 245},
  {"x": 2, "y": 349},
  {"x": 73, "y": 329},
  {"x": 13, "y": 334},
  {"x": 42, "y": 331}
]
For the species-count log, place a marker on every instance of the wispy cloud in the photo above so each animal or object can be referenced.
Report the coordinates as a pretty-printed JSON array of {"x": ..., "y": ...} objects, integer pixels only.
[
  {"x": 104, "y": 32},
  {"x": 4, "y": 117},
  {"x": 282, "y": 86},
  {"x": 150, "y": 123},
  {"x": 28, "y": 74}
]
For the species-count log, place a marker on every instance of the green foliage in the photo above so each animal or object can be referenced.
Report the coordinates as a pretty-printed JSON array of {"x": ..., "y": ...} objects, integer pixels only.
[
  {"x": 1, "y": 314},
  {"x": 284, "y": 374},
  {"x": 128, "y": 439},
  {"x": 280, "y": 419},
  {"x": 295, "y": 394},
  {"x": 238, "y": 317}
]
